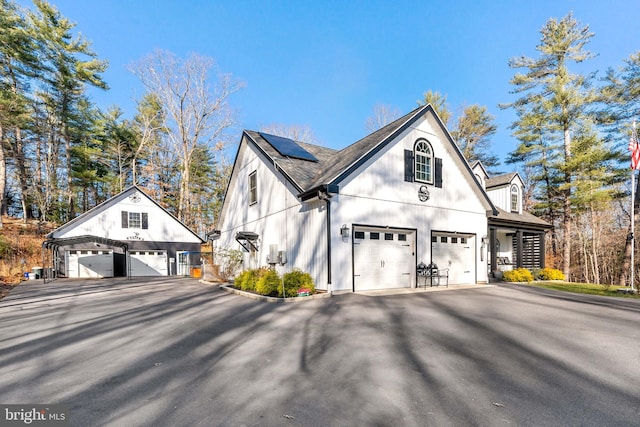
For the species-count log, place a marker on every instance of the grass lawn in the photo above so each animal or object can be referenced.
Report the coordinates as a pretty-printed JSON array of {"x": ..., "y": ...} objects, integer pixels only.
[{"x": 584, "y": 288}]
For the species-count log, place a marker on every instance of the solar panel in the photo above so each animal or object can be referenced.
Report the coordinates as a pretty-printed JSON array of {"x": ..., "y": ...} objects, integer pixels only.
[{"x": 288, "y": 147}]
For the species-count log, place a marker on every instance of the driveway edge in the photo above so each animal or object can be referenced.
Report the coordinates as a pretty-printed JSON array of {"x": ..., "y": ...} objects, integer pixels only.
[{"x": 250, "y": 295}]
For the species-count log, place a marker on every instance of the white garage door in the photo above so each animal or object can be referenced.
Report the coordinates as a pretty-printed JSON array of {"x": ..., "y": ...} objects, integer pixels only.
[
  {"x": 383, "y": 258},
  {"x": 88, "y": 263},
  {"x": 148, "y": 263},
  {"x": 456, "y": 253}
]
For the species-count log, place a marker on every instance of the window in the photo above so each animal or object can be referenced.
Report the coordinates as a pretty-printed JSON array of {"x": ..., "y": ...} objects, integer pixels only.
[
  {"x": 359, "y": 234},
  {"x": 253, "y": 188},
  {"x": 463, "y": 240},
  {"x": 515, "y": 202},
  {"x": 434, "y": 239},
  {"x": 134, "y": 220},
  {"x": 402, "y": 237},
  {"x": 443, "y": 239},
  {"x": 423, "y": 156},
  {"x": 374, "y": 236},
  {"x": 454, "y": 240},
  {"x": 388, "y": 236}
]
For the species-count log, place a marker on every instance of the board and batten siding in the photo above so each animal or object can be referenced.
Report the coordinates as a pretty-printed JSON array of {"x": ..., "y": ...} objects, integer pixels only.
[
  {"x": 376, "y": 194},
  {"x": 278, "y": 217},
  {"x": 162, "y": 227},
  {"x": 501, "y": 196}
]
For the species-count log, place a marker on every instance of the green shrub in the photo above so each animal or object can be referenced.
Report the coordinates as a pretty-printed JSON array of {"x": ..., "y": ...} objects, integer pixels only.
[
  {"x": 295, "y": 280},
  {"x": 269, "y": 284},
  {"x": 248, "y": 279},
  {"x": 240, "y": 279},
  {"x": 517, "y": 275},
  {"x": 551, "y": 274}
]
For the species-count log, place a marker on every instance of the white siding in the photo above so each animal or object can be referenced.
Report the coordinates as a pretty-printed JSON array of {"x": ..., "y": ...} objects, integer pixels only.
[
  {"x": 278, "y": 217},
  {"x": 501, "y": 196},
  {"x": 374, "y": 195},
  {"x": 378, "y": 195},
  {"x": 108, "y": 223}
]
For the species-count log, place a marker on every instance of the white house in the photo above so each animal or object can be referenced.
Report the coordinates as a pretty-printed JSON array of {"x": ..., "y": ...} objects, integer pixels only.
[
  {"x": 127, "y": 235},
  {"x": 363, "y": 217}
]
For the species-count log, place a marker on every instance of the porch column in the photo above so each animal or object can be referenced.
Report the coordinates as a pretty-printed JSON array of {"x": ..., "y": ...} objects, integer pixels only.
[
  {"x": 519, "y": 248},
  {"x": 542, "y": 249},
  {"x": 492, "y": 250}
]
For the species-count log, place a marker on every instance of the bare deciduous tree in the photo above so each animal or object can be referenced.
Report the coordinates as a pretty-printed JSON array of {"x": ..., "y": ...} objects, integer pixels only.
[
  {"x": 382, "y": 115},
  {"x": 302, "y": 133},
  {"x": 197, "y": 113}
]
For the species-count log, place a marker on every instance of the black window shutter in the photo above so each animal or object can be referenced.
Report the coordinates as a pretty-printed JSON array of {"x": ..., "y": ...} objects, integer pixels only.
[
  {"x": 125, "y": 219},
  {"x": 408, "y": 165},
  {"x": 438, "y": 173},
  {"x": 145, "y": 221}
]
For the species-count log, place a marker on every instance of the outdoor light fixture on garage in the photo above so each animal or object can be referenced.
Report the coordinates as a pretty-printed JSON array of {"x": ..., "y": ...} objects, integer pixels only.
[{"x": 344, "y": 231}]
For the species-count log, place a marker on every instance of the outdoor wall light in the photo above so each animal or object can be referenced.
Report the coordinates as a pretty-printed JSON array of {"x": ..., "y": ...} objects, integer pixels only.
[{"x": 344, "y": 230}]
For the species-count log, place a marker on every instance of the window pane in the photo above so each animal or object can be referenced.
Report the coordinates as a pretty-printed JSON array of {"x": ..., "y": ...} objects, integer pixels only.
[
  {"x": 359, "y": 234},
  {"x": 374, "y": 236},
  {"x": 388, "y": 236},
  {"x": 253, "y": 188},
  {"x": 402, "y": 237},
  {"x": 463, "y": 240},
  {"x": 423, "y": 162},
  {"x": 134, "y": 220},
  {"x": 514, "y": 199},
  {"x": 434, "y": 239},
  {"x": 454, "y": 240},
  {"x": 443, "y": 239}
]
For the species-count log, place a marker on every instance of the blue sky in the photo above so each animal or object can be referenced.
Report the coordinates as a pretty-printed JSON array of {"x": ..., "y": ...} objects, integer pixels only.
[{"x": 326, "y": 64}]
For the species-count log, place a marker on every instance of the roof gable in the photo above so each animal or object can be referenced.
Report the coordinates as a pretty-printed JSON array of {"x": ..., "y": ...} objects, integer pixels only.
[
  {"x": 333, "y": 166},
  {"x": 478, "y": 167},
  {"x": 348, "y": 159},
  {"x": 100, "y": 221},
  {"x": 503, "y": 180}
]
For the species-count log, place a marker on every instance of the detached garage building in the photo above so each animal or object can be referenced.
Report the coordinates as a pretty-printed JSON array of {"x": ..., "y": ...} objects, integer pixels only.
[{"x": 128, "y": 235}]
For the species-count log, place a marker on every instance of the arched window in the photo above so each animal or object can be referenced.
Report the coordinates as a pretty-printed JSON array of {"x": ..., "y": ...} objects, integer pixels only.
[
  {"x": 515, "y": 199},
  {"x": 423, "y": 155}
]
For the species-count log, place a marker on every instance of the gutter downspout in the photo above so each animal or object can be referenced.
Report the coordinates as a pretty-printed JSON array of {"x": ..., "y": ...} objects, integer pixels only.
[{"x": 327, "y": 199}]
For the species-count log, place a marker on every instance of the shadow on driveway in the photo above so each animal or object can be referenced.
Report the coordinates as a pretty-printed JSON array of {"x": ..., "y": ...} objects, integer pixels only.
[{"x": 177, "y": 352}]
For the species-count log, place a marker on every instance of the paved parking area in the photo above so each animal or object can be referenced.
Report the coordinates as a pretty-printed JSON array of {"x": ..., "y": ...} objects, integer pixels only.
[{"x": 175, "y": 352}]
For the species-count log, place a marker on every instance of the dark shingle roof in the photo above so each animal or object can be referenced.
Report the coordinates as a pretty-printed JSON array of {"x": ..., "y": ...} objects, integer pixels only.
[
  {"x": 524, "y": 218},
  {"x": 500, "y": 180},
  {"x": 301, "y": 172},
  {"x": 345, "y": 158},
  {"x": 331, "y": 163}
]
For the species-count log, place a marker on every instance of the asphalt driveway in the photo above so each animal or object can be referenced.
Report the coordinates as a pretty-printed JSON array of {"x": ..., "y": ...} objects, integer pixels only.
[{"x": 175, "y": 352}]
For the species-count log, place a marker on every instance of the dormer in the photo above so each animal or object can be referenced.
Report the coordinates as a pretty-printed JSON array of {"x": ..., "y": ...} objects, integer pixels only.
[
  {"x": 480, "y": 173},
  {"x": 505, "y": 191}
]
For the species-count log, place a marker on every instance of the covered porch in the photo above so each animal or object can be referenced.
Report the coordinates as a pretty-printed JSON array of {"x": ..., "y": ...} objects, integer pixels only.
[{"x": 515, "y": 241}]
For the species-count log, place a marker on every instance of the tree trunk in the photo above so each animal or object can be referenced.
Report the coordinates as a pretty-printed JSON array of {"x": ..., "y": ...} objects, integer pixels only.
[
  {"x": 626, "y": 265},
  {"x": 70, "y": 195},
  {"x": 566, "y": 202},
  {"x": 3, "y": 175},
  {"x": 19, "y": 156}
]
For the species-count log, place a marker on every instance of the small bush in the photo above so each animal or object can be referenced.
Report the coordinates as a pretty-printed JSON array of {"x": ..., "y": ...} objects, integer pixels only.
[
  {"x": 295, "y": 280},
  {"x": 230, "y": 261},
  {"x": 240, "y": 279},
  {"x": 248, "y": 279},
  {"x": 550, "y": 274},
  {"x": 269, "y": 284},
  {"x": 518, "y": 275}
]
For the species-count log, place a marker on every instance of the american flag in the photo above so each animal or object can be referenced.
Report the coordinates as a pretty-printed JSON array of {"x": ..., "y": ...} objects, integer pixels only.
[{"x": 634, "y": 147}]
